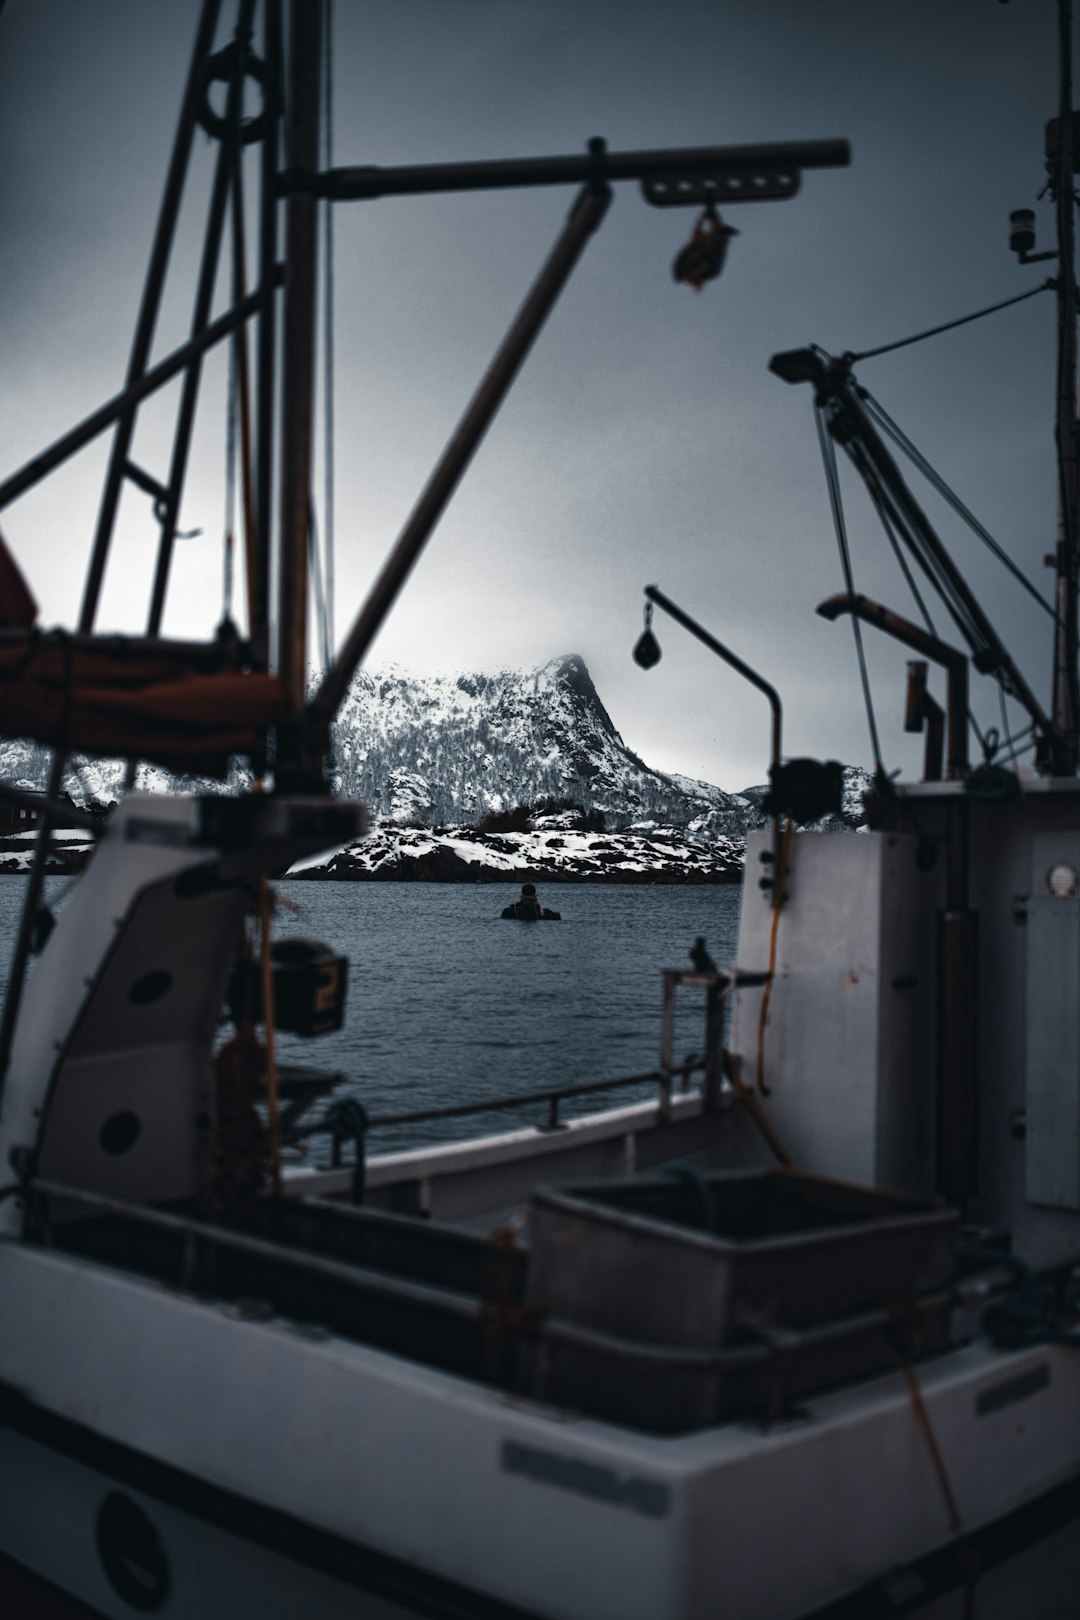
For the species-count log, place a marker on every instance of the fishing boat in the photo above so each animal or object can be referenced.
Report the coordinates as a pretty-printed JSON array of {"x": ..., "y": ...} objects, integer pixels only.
[{"x": 793, "y": 1336}]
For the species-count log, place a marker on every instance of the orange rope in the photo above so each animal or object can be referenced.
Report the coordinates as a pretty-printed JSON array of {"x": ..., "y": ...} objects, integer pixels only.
[
  {"x": 273, "y": 1117},
  {"x": 956, "y": 1524},
  {"x": 757, "y": 1114},
  {"x": 779, "y": 883},
  {"x": 744, "y": 1096}
]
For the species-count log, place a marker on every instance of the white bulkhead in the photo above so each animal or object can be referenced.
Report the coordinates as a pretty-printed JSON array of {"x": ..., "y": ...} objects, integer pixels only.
[
  {"x": 851, "y": 1056},
  {"x": 848, "y": 1046},
  {"x": 110, "y": 1065},
  {"x": 109, "y": 1084}
]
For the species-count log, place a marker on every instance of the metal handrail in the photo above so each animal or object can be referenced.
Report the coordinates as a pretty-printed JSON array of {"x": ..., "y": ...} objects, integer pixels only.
[
  {"x": 347, "y": 1273},
  {"x": 552, "y": 1096}
]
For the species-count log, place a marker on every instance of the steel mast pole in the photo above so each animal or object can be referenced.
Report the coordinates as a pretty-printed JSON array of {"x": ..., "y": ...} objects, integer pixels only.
[
  {"x": 148, "y": 309},
  {"x": 266, "y": 340},
  {"x": 1066, "y": 703},
  {"x": 298, "y": 355}
]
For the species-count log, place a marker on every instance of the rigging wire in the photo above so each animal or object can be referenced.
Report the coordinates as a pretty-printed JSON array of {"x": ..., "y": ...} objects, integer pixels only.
[
  {"x": 928, "y": 562},
  {"x": 231, "y": 436},
  {"x": 883, "y": 420},
  {"x": 832, "y": 479},
  {"x": 326, "y": 649},
  {"x": 850, "y": 356},
  {"x": 930, "y": 473},
  {"x": 248, "y": 522},
  {"x": 982, "y": 652},
  {"x": 888, "y": 523},
  {"x": 1007, "y": 741},
  {"x": 328, "y": 334},
  {"x": 1017, "y": 746},
  {"x": 232, "y": 384},
  {"x": 1065, "y": 341}
]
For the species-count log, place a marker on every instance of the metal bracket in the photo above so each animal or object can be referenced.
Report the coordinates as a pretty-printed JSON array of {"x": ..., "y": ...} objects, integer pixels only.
[
  {"x": 157, "y": 492},
  {"x": 697, "y": 191}
]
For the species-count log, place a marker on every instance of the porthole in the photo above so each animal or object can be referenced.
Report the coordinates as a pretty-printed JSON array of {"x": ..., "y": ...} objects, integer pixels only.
[
  {"x": 119, "y": 1133},
  {"x": 1062, "y": 881},
  {"x": 131, "y": 1553},
  {"x": 151, "y": 987}
]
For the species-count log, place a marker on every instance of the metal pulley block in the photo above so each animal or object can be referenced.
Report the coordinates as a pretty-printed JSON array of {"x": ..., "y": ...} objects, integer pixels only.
[{"x": 702, "y": 259}]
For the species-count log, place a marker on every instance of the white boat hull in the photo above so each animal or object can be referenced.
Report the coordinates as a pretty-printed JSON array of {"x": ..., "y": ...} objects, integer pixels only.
[{"x": 560, "y": 1516}]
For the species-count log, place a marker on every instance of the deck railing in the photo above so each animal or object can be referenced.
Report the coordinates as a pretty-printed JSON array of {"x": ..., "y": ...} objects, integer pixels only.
[{"x": 347, "y": 1120}]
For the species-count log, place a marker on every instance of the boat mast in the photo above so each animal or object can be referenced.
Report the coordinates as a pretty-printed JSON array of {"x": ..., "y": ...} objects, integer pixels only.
[
  {"x": 298, "y": 355},
  {"x": 266, "y": 340},
  {"x": 1066, "y": 702}
]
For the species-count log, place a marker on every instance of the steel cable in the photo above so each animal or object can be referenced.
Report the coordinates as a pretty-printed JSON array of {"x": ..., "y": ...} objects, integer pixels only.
[
  {"x": 231, "y": 431},
  {"x": 832, "y": 480},
  {"x": 930, "y": 473},
  {"x": 328, "y": 362},
  {"x": 948, "y": 326},
  {"x": 888, "y": 523}
]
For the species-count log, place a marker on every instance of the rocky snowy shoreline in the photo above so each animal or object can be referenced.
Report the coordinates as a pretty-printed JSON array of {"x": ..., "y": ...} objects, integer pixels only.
[
  {"x": 548, "y": 854},
  {"x": 474, "y": 778},
  {"x": 68, "y": 853}
]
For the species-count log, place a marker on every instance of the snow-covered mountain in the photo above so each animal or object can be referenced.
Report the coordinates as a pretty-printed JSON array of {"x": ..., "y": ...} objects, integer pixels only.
[
  {"x": 446, "y": 750},
  {"x": 101, "y": 781},
  {"x": 449, "y": 748}
]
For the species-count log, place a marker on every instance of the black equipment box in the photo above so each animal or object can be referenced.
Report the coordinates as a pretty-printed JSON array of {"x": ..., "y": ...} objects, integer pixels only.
[{"x": 310, "y": 981}]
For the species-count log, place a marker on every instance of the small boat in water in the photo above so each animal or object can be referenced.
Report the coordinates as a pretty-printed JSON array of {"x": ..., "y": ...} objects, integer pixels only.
[{"x": 796, "y": 1335}]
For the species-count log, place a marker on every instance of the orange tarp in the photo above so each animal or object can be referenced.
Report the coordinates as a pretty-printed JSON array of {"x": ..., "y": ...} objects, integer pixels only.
[{"x": 142, "y": 708}]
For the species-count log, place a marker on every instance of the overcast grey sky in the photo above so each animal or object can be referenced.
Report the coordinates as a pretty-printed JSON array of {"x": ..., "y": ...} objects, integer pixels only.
[{"x": 646, "y": 440}]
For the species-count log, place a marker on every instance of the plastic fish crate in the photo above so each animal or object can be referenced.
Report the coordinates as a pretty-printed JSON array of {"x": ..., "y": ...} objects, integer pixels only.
[
  {"x": 792, "y": 1281},
  {"x": 761, "y": 1375}
]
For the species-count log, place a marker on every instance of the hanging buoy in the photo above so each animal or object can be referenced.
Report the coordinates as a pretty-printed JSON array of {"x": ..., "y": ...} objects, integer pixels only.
[{"x": 647, "y": 649}]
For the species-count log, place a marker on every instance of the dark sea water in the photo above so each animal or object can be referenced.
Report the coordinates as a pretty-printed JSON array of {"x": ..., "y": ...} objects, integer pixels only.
[{"x": 449, "y": 1004}]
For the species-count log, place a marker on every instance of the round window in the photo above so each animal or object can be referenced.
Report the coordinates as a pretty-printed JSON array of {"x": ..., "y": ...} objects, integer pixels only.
[
  {"x": 131, "y": 1553},
  {"x": 119, "y": 1133},
  {"x": 1062, "y": 880}
]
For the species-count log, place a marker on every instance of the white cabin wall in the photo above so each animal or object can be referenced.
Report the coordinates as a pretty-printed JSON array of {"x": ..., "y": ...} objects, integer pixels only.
[
  {"x": 911, "y": 899},
  {"x": 848, "y": 1058},
  {"x": 851, "y": 1044},
  {"x": 1024, "y": 1021},
  {"x": 839, "y": 1048}
]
